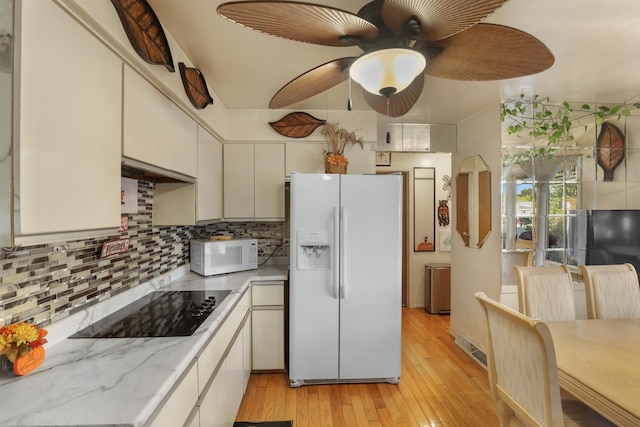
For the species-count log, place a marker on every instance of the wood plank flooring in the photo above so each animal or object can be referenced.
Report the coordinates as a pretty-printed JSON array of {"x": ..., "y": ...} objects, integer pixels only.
[{"x": 440, "y": 386}]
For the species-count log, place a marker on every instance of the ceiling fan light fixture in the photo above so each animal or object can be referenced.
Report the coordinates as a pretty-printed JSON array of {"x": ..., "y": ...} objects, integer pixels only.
[{"x": 387, "y": 71}]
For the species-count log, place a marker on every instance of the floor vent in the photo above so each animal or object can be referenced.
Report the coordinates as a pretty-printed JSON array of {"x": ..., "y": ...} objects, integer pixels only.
[{"x": 476, "y": 353}]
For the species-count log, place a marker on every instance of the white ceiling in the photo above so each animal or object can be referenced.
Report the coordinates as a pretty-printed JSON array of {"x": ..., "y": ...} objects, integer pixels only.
[{"x": 596, "y": 46}]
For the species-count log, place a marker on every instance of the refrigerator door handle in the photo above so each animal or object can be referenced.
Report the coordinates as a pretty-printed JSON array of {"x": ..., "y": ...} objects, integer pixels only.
[
  {"x": 343, "y": 253},
  {"x": 336, "y": 253}
]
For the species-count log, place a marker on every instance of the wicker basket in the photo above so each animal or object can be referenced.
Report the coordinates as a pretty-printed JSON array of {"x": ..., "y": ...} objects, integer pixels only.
[{"x": 332, "y": 168}]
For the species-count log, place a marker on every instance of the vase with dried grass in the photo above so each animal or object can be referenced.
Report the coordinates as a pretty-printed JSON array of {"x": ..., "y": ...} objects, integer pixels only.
[{"x": 339, "y": 138}]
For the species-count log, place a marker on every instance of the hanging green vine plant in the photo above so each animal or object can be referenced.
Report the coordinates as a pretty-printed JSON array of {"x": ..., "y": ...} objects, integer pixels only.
[{"x": 551, "y": 123}]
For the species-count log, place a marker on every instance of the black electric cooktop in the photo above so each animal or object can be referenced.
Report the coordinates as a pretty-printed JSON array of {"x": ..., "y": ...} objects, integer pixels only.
[{"x": 158, "y": 314}]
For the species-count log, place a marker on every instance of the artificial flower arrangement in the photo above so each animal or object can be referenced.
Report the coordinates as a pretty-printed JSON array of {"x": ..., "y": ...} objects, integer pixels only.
[
  {"x": 20, "y": 339},
  {"x": 338, "y": 138},
  {"x": 336, "y": 159}
]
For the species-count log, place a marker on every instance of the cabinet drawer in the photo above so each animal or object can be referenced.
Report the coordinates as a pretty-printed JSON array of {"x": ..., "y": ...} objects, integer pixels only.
[
  {"x": 212, "y": 354},
  {"x": 268, "y": 293}
]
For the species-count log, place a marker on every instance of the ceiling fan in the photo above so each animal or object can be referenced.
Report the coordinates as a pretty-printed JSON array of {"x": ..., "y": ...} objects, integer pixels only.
[{"x": 440, "y": 38}]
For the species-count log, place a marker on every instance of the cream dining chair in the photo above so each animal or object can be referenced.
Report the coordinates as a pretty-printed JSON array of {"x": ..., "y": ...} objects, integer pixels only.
[
  {"x": 545, "y": 293},
  {"x": 612, "y": 291},
  {"x": 523, "y": 375}
]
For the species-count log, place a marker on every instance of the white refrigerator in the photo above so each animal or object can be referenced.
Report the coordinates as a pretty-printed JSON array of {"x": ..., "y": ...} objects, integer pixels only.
[{"x": 345, "y": 314}]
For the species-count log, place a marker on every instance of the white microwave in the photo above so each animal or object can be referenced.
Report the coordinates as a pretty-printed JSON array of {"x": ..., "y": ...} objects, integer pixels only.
[{"x": 209, "y": 257}]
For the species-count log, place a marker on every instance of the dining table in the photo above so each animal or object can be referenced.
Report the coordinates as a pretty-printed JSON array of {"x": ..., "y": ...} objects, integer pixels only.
[{"x": 599, "y": 363}]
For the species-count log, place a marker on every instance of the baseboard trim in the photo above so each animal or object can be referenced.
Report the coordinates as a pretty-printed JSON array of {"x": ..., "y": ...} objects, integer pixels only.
[{"x": 472, "y": 350}]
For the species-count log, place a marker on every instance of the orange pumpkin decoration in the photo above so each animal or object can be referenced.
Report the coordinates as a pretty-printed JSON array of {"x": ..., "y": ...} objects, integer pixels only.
[
  {"x": 426, "y": 246},
  {"x": 29, "y": 361}
]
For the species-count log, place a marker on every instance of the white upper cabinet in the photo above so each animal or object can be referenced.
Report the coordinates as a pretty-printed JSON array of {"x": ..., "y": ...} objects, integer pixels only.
[
  {"x": 254, "y": 182},
  {"x": 239, "y": 181},
  {"x": 155, "y": 130},
  {"x": 269, "y": 181},
  {"x": 192, "y": 204},
  {"x": 67, "y": 108},
  {"x": 209, "y": 184}
]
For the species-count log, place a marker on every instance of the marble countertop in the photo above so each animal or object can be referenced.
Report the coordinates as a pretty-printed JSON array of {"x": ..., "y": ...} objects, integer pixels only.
[{"x": 115, "y": 381}]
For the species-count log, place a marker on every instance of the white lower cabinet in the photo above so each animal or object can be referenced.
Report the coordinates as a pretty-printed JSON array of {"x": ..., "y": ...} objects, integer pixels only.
[
  {"x": 268, "y": 339},
  {"x": 235, "y": 378},
  {"x": 181, "y": 402},
  {"x": 213, "y": 405},
  {"x": 247, "y": 352},
  {"x": 211, "y": 392},
  {"x": 221, "y": 390},
  {"x": 221, "y": 400},
  {"x": 267, "y": 329}
]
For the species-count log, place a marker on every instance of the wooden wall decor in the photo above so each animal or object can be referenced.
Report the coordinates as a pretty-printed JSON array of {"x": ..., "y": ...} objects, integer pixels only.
[
  {"x": 144, "y": 31},
  {"x": 195, "y": 86},
  {"x": 297, "y": 125},
  {"x": 610, "y": 149}
]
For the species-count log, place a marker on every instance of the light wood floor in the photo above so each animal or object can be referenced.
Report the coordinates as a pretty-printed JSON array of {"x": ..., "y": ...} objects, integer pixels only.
[{"x": 440, "y": 386}]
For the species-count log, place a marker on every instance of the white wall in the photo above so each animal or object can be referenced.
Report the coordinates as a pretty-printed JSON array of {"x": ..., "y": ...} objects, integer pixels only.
[
  {"x": 474, "y": 270},
  {"x": 405, "y": 162},
  {"x": 253, "y": 125}
]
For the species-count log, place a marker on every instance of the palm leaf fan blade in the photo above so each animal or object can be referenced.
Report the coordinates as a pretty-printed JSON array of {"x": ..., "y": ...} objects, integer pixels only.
[
  {"x": 313, "y": 82},
  {"x": 489, "y": 52},
  {"x": 438, "y": 19},
  {"x": 297, "y": 21}
]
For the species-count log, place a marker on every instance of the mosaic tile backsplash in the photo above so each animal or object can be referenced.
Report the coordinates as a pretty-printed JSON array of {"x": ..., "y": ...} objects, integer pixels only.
[{"x": 44, "y": 283}]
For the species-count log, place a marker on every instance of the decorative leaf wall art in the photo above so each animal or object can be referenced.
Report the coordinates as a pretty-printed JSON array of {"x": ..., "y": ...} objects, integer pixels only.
[
  {"x": 144, "y": 31},
  {"x": 610, "y": 148},
  {"x": 297, "y": 125},
  {"x": 195, "y": 86}
]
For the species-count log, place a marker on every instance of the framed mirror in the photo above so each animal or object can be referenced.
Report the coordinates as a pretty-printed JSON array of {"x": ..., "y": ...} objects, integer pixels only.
[
  {"x": 424, "y": 209},
  {"x": 473, "y": 202}
]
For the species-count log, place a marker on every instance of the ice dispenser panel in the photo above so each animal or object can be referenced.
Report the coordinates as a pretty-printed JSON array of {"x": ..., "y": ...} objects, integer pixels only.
[{"x": 314, "y": 250}]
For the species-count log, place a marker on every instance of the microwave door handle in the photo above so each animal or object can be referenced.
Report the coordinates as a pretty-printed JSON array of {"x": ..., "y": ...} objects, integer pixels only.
[
  {"x": 336, "y": 253},
  {"x": 343, "y": 254}
]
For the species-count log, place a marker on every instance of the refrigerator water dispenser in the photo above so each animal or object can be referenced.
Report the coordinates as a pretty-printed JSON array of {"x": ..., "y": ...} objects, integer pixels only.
[{"x": 314, "y": 250}]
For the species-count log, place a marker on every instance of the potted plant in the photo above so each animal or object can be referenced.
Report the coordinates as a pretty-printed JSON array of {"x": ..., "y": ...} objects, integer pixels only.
[
  {"x": 551, "y": 126},
  {"x": 339, "y": 138}
]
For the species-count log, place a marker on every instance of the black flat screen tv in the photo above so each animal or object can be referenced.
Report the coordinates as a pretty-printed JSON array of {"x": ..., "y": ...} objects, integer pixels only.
[{"x": 613, "y": 237}]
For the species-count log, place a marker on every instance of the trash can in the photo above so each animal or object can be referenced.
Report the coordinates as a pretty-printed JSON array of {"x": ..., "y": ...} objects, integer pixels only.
[{"x": 437, "y": 293}]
